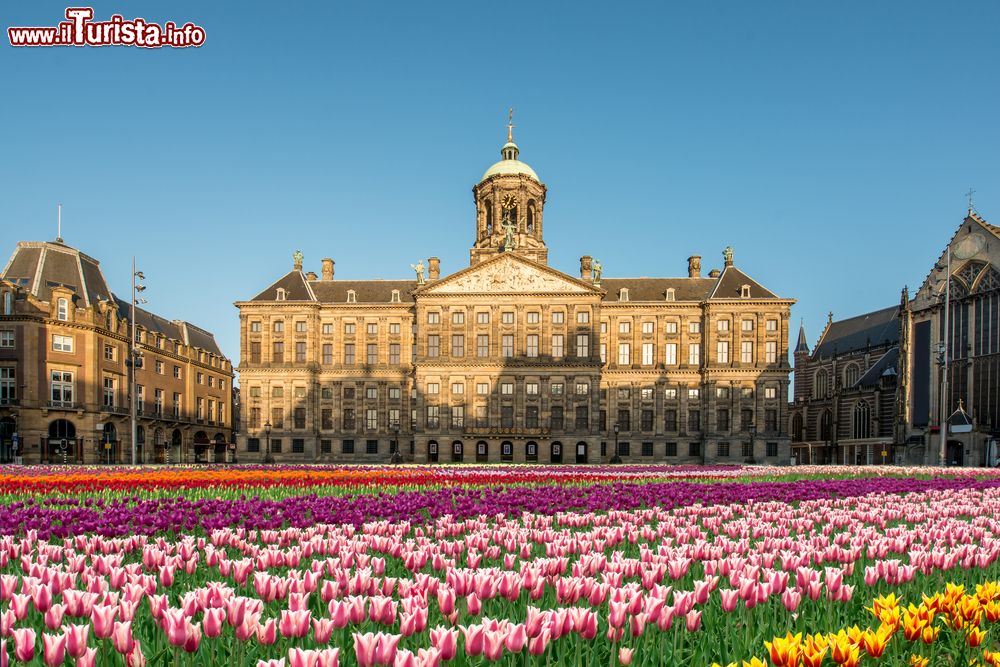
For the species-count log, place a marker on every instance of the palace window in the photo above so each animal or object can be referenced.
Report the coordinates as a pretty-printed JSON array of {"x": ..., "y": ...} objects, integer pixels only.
[
  {"x": 507, "y": 317},
  {"x": 62, "y": 343},
  {"x": 746, "y": 352},
  {"x": 531, "y": 388},
  {"x": 582, "y": 388},
  {"x": 583, "y": 345},
  {"x": 372, "y": 354},
  {"x": 483, "y": 388},
  {"x": 433, "y": 317},
  {"x": 394, "y": 353},
  {"x": 532, "y": 345},
  {"x": 482, "y": 345},
  {"x": 348, "y": 420},
  {"x": 670, "y": 327},
  {"x": 458, "y": 388},
  {"x": 279, "y": 326},
  {"x": 670, "y": 394},
  {"x": 533, "y": 317},
  {"x": 300, "y": 351},
  {"x": 624, "y": 327},
  {"x": 624, "y": 354},
  {"x": 558, "y": 317},
  {"x": 694, "y": 354},
  {"x": 433, "y": 388},
  {"x": 722, "y": 352},
  {"x": 556, "y": 388},
  {"x": 327, "y": 353},
  {"x": 671, "y": 354},
  {"x": 694, "y": 393},
  {"x": 771, "y": 352},
  {"x": 62, "y": 309},
  {"x": 670, "y": 420},
  {"x": 647, "y": 354},
  {"x": 433, "y": 345},
  {"x": 7, "y": 339},
  {"x": 648, "y": 328},
  {"x": 531, "y": 416},
  {"x": 371, "y": 393},
  {"x": 349, "y": 328},
  {"x": 723, "y": 325},
  {"x": 556, "y": 418},
  {"x": 694, "y": 327},
  {"x": 771, "y": 325},
  {"x": 482, "y": 318},
  {"x": 507, "y": 346},
  {"x": 348, "y": 354},
  {"x": 507, "y": 388},
  {"x": 583, "y": 317},
  {"x": 557, "y": 346}
]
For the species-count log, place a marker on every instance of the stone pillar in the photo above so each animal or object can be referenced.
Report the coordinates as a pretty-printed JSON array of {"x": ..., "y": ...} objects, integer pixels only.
[
  {"x": 694, "y": 266},
  {"x": 327, "y": 268}
]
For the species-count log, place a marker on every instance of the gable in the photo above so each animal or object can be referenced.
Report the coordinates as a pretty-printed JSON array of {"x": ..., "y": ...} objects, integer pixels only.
[{"x": 508, "y": 273}]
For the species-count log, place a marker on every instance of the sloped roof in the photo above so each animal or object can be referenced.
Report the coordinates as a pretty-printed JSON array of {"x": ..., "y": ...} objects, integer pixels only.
[
  {"x": 874, "y": 329},
  {"x": 180, "y": 330},
  {"x": 731, "y": 282},
  {"x": 802, "y": 345},
  {"x": 655, "y": 289},
  {"x": 296, "y": 288},
  {"x": 38, "y": 266},
  {"x": 365, "y": 291},
  {"x": 886, "y": 365}
]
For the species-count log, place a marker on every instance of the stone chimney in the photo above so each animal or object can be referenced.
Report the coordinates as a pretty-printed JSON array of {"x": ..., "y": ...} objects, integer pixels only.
[
  {"x": 311, "y": 275},
  {"x": 585, "y": 268},
  {"x": 327, "y": 268},
  {"x": 694, "y": 266},
  {"x": 433, "y": 268}
]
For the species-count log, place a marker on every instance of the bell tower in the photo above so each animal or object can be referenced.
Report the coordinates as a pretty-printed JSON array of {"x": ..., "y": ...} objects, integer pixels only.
[{"x": 509, "y": 202}]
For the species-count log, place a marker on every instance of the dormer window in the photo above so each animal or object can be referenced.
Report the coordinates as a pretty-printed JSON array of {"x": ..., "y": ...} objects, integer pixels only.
[
  {"x": 395, "y": 296},
  {"x": 745, "y": 292},
  {"x": 623, "y": 294},
  {"x": 280, "y": 296},
  {"x": 352, "y": 296},
  {"x": 671, "y": 294},
  {"x": 62, "y": 309}
]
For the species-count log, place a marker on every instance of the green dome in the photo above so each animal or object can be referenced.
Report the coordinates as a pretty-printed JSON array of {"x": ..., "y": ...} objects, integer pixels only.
[{"x": 510, "y": 165}]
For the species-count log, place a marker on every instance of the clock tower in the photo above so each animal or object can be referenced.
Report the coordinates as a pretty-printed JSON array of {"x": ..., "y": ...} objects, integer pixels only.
[{"x": 509, "y": 202}]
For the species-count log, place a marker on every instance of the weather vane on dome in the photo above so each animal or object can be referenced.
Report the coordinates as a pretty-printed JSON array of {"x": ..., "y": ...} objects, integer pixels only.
[
  {"x": 510, "y": 125},
  {"x": 969, "y": 195}
]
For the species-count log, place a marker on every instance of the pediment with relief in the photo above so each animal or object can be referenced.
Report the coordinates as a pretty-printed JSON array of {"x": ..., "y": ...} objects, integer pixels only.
[{"x": 507, "y": 274}]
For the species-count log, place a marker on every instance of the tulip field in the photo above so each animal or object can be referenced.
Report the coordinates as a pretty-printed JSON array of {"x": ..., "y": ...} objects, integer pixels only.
[{"x": 510, "y": 565}]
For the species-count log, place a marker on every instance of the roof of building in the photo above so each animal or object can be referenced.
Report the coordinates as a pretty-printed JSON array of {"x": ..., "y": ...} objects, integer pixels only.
[
  {"x": 802, "y": 345},
  {"x": 509, "y": 165},
  {"x": 731, "y": 283},
  {"x": 874, "y": 329},
  {"x": 885, "y": 366},
  {"x": 39, "y": 266},
  {"x": 655, "y": 289}
]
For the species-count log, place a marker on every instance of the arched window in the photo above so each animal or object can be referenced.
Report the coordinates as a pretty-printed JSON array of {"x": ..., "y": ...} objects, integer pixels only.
[
  {"x": 862, "y": 420},
  {"x": 825, "y": 423},
  {"x": 797, "y": 428},
  {"x": 851, "y": 375},
  {"x": 822, "y": 385},
  {"x": 489, "y": 217},
  {"x": 62, "y": 309},
  {"x": 531, "y": 216},
  {"x": 8, "y": 304}
]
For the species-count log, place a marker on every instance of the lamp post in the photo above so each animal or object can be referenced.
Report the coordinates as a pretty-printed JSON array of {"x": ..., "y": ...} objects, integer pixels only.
[
  {"x": 267, "y": 442},
  {"x": 134, "y": 356},
  {"x": 617, "y": 457},
  {"x": 943, "y": 422},
  {"x": 396, "y": 457}
]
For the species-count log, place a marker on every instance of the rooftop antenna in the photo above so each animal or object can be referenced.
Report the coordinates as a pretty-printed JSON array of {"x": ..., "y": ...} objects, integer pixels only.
[
  {"x": 59, "y": 228},
  {"x": 969, "y": 195}
]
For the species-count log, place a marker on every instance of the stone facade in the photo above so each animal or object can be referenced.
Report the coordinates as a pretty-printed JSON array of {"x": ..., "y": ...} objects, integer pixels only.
[
  {"x": 973, "y": 388},
  {"x": 511, "y": 360},
  {"x": 64, "y": 372},
  {"x": 846, "y": 399}
]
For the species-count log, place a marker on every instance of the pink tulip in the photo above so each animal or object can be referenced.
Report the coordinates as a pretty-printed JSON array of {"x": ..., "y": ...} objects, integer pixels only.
[
  {"x": 625, "y": 655},
  {"x": 54, "y": 616},
  {"x": 730, "y": 598},
  {"x": 473, "y": 604},
  {"x": 19, "y": 604},
  {"x": 445, "y": 640},
  {"x": 537, "y": 645},
  {"x": 693, "y": 620},
  {"x": 7, "y": 621},
  {"x": 298, "y": 657},
  {"x": 24, "y": 644},
  {"x": 493, "y": 644},
  {"x": 4, "y": 660},
  {"x": 791, "y": 598},
  {"x": 42, "y": 598},
  {"x": 295, "y": 623},
  {"x": 517, "y": 638},
  {"x": 405, "y": 659},
  {"x": 88, "y": 659},
  {"x": 329, "y": 657},
  {"x": 322, "y": 630},
  {"x": 474, "y": 639},
  {"x": 236, "y": 609},
  {"x": 135, "y": 657},
  {"x": 446, "y": 600},
  {"x": 175, "y": 623},
  {"x": 122, "y": 638},
  {"x": 267, "y": 632},
  {"x": 364, "y": 648},
  {"x": 339, "y": 613},
  {"x": 76, "y": 639},
  {"x": 385, "y": 652},
  {"x": 54, "y": 649},
  {"x": 102, "y": 618},
  {"x": 248, "y": 628},
  {"x": 212, "y": 622},
  {"x": 193, "y": 638},
  {"x": 271, "y": 663}
]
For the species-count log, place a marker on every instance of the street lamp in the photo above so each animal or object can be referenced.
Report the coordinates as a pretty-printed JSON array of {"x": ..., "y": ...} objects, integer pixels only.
[
  {"x": 134, "y": 356},
  {"x": 943, "y": 408},
  {"x": 616, "y": 458},
  {"x": 267, "y": 442},
  {"x": 396, "y": 457}
]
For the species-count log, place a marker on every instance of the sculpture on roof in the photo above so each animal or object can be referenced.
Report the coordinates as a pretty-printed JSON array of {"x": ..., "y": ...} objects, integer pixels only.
[
  {"x": 727, "y": 255},
  {"x": 297, "y": 258},
  {"x": 419, "y": 268}
]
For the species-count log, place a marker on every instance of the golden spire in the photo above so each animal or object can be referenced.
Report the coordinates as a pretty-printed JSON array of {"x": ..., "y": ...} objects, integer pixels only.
[{"x": 510, "y": 125}]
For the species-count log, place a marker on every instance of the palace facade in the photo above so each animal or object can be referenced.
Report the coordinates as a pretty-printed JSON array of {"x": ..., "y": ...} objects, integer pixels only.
[
  {"x": 510, "y": 359},
  {"x": 65, "y": 370}
]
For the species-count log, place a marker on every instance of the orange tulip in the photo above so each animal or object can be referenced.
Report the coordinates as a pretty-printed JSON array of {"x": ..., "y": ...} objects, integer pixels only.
[
  {"x": 785, "y": 650},
  {"x": 929, "y": 634},
  {"x": 812, "y": 655},
  {"x": 883, "y": 603},
  {"x": 992, "y": 611},
  {"x": 841, "y": 647},
  {"x": 919, "y": 661},
  {"x": 913, "y": 625},
  {"x": 975, "y": 636},
  {"x": 874, "y": 642}
]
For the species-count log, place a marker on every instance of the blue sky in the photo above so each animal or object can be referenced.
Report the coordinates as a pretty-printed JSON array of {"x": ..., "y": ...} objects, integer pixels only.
[{"x": 830, "y": 143}]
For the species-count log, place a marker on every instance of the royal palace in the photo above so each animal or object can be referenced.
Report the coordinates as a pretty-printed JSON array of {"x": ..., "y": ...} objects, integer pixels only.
[{"x": 510, "y": 359}]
